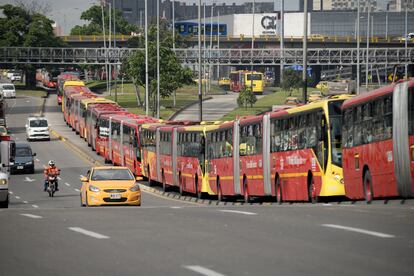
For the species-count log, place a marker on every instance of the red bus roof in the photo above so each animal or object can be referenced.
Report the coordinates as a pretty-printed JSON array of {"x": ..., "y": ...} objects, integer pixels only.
[{"x": 374, "y": 94}]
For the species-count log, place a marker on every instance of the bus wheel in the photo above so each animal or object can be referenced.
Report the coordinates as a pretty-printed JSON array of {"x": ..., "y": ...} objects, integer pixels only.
[
  {"x": 247, "y": 198},
  {"x": 198, "y": 193},
  {"x": 219, "y": 193},
  {"x": 180, "y": 184},
  {"x": 368, "y": 193},
  {"x": 278, "y": 191},
  {"x": 164, "y": 185},
  {"x": 149, "y": 177},
  {"x": 312, "y": 191}
]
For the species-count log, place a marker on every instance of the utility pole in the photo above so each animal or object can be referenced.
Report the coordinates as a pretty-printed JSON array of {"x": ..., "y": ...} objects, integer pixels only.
[
  {"x": 200, "y": 96},
  {"x": 305, "y": 51},
  {"x": 211, "y": 47},
  {"x": 406, "y": 39},
  {"x": 109, "y": 43},
  {"x": 116, "y": 67},
  {"x": 367, "y": 56},
  {"x": 218, "y": 45},
  {"x": 282, "y": 37},
  {"x": 146, "y": 60},
  {"x": 251, "y": 70},
  {"x": 358, "y": 49},
  {"x": 158, "y": 59},
  {"x": 173, "y": 27},
  {"x": 386, "y": 25},
  {"x": 104, "y": 41}
]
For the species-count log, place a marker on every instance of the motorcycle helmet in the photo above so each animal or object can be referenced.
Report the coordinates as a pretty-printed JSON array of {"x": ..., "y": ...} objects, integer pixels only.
[{"x": 51, "y": 163}]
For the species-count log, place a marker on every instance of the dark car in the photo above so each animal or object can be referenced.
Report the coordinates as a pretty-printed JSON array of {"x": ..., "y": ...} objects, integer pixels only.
[{"x": 23, "y": 159}]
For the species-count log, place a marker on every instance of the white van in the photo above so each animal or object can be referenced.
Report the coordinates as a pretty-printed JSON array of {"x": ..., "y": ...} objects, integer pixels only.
[
  {"x": 8, "y": 90},
  {"x": 37, "y": 128}
]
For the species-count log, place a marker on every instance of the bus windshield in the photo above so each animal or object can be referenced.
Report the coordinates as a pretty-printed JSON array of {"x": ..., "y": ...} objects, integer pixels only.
[
  {"x": 335, "y": 121},
  {"x": 254, "y": 77}
]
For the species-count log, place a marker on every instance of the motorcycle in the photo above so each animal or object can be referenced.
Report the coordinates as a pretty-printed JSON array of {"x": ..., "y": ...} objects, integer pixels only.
[{"x": 51, "y": 184}]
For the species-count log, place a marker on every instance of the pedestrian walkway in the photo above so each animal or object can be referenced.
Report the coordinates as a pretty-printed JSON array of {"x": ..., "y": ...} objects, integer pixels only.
[{"x": 213, "y": 109}]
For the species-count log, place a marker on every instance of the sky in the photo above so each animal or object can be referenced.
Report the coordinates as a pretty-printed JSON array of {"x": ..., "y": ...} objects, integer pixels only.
[{"x": 67, "y": 12}]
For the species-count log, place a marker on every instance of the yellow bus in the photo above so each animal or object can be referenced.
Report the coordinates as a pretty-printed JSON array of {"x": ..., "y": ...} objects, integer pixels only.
[{"x": 243, "y": 79}]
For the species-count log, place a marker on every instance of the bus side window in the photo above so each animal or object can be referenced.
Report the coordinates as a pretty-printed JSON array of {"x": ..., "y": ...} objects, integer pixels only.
[{"x": 388, "y": 117}]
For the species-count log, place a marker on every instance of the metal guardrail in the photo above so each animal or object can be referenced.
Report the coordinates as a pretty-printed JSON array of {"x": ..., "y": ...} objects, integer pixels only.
[{"x": 332, "y": 56}]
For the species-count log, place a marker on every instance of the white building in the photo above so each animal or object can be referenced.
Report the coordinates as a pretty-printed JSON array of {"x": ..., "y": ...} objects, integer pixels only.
[{"x": 399, "y": 5}]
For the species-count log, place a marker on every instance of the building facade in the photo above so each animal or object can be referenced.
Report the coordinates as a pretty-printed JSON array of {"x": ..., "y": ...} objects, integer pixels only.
[{"x": 399, "y": 5}]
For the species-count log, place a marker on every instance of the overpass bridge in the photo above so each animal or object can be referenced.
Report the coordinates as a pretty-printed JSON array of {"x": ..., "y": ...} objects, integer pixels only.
[
  {"x": 266, "y": 41},
  {"x": 231, "y": 57}
]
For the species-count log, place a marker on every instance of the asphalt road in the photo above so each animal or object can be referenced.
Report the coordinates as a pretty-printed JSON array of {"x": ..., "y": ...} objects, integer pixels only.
[{"x": 54, "y": 236}]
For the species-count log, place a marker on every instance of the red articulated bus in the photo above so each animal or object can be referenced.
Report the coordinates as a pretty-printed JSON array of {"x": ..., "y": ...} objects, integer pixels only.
[
  {"x": 124, "y": 140},
  {"x": 166, "y": 155},
  {"x": 84, "y": 104},
  {"x": 93, "y": 114},
  {"x": 60, "y": 82},
  {"x": 378, "y": 141},
  {"x": 67, "y": 107},
  {"x": 76, "y": 111}
]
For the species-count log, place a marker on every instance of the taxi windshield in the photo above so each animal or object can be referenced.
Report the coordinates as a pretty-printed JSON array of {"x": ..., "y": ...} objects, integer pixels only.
[{"x": 111, "y": 174}]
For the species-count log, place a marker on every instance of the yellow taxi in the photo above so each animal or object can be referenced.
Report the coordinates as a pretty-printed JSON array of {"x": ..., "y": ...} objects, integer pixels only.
[{"x": 110, "y": 186}]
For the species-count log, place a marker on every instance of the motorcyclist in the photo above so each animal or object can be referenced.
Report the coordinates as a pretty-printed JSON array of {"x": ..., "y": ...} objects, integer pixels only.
[{"x": 51, "y": 169}]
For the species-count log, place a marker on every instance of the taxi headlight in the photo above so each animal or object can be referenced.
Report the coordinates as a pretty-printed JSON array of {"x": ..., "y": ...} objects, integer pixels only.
[
  {"x": 134, "y": 188},
  {"x": 3, "y": 181},
  {"x": 93, "y": 189}
]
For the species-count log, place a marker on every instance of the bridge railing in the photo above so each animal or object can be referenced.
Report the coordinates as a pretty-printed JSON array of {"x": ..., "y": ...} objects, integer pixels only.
[{"x": 333, "y": 56}]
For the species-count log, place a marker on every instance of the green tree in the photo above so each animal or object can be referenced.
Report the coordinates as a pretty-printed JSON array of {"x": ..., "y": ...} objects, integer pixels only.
[
  {"x": 246, "y": 97},
  {"x": 25, "y": 26},
  {"x": 20, "y": 27},
  {"x": 94, "y": 26},
  {"x": 291, "y": 80},
  {"x": 172, "y": 74}
]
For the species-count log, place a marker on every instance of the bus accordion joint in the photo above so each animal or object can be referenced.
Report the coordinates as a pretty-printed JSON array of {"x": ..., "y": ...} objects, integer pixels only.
[{"x": 412, "y": 153}]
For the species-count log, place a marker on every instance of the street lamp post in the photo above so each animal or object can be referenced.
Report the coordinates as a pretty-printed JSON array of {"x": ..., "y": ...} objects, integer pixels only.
[
  {"x": 251, "y": 73},
  {"x": 367, "y": 54},
  {"x": 115, "y": 67},
  {"x": 282, "y": 36},
  {"x": 200, "y": 96},
  {"x": 406, "y": 39},
  {"x": 146, "y": 60},
  {"x": 305, "y": 51},
  {"x": 358, "y": 48},
  {"x": 104, "y": 42},
  {"x": 158, "y": 59},
  {"x": 218, "y": 45},
  {"x": 109, "y": 77},
  {"x": 173, "y": 26}
]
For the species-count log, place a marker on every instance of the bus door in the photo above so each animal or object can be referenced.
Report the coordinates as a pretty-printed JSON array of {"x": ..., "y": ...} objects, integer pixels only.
[
  {"x": 174, "y": 139},
  {"x": 157, "y": 150},
  {"x": 266, "y": 155},
  {"x": 236, "y": 158},
  {"x": 110, "y": 139},
  {"x": 400, "y": 140},
  {"x": 121, "y": 143},
  {"x": 323, "y": 142}
]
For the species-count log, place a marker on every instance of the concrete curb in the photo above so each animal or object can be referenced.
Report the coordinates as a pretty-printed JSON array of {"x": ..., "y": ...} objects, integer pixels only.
[{"x": 181, "y": 109}]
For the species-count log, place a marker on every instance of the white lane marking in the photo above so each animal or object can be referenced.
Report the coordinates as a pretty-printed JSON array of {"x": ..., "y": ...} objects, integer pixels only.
[
  {"x": 88, "y": 233},
  {"x": 203, "y": 271},
  {"x": 28, "y": 179},
  {"x": 59, "y": 178},
  {"x": 81, "y": 176},
  {"x": 31, "y": 216},
  {"x": 77, "y": 190},
  {"x": 25, "y": 202},
  {"x": 10, "y": 192},
  {"x": 17, "y": 197},
  {"x": 238, "y": 212},
  {"x": 16, "y": 138},
  {"x": 37, "y": 160},
  {"x": 327, "y": 204},
  {"x": 27, "y": 101},
  {"x": 176, "y": 207},
  {"x": 35, "y": 206},
  {"x": 359, "y": 230},
  {"x": 67, "y": 184}
]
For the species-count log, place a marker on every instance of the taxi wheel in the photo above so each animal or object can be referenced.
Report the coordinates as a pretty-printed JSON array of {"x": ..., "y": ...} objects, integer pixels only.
[
  {"x": 81, "y": 203},
  {"x": 86, "y": 200}
]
